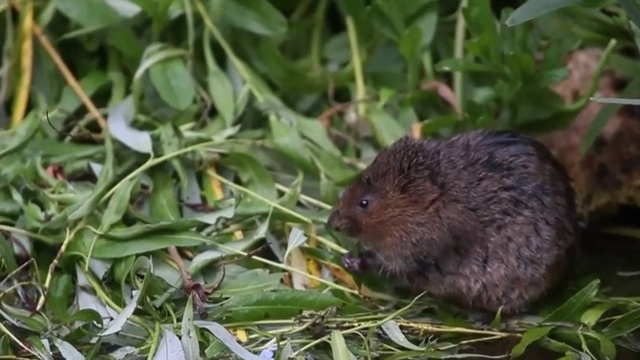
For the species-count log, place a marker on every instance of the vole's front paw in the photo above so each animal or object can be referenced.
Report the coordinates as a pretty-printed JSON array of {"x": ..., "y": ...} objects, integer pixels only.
[{"x": 353, "y": 263}]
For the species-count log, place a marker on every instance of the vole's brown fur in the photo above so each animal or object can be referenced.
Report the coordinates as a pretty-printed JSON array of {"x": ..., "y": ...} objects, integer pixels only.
[{"x": 483, "y": 219}]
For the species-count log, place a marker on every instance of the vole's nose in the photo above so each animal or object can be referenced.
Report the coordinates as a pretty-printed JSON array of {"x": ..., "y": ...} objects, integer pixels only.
[{"x": 333, "y": 222}]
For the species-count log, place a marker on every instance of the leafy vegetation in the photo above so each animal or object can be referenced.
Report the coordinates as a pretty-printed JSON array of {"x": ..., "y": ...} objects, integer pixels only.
[{"x": 147, "y": 139}]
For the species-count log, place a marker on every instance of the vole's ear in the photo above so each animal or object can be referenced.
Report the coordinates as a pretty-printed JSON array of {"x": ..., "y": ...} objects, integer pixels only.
[{"x": 367, "y": 180}]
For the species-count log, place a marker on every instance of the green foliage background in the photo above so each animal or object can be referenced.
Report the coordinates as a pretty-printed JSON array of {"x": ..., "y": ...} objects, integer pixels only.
[{"x": 225, "y": 102}]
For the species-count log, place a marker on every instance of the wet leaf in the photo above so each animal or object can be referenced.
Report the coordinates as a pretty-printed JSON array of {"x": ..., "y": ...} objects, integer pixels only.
[
  {"x": 392, "y": 329},
  {"x": 189, "y": 337},
  {"x": 227, "y": 338},
  {"x": 119, "y": 124},
  {"x": 119, "y": 321},
  {"x": 68, "y": 351},
  {"x": 623, "y": 325},
  {"x": 170, "y": 347},
  {"x": 573, "y": 308},
  {"x": 296, "y": 239}
]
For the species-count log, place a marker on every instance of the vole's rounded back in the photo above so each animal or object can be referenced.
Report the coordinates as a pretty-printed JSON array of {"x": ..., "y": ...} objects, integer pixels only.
[{"x": 484, "y": 219}]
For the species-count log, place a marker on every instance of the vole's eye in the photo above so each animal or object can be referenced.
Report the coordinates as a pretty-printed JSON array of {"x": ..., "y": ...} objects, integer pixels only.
[{"x": 364, "y": 203}]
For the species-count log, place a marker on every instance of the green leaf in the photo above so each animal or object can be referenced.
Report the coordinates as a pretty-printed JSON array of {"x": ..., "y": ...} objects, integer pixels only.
[
  {"x": 410, "y": 47},
  {"x": 58, "y": 295},
  {"x": 164, "y": 198},
  {"x": 23, "y": 319},
  {"x": 252, "y": 173},
  {"x": 116, "y": 325},
  {"x": 226, "y": 338},
  {"x": 607, "y": 347},
  {"x": 529, "y": 337},
  {"x": 392, "y": 329},
  {"x": 69, "y": 101},
  {"x": 312, "y": 130},
  {"x": 573, "y": 308},
  {"x": 84, "y": 316},
  {"x": 189, "y": 337},
  {"x": 339, "y": 348},
  {"x": 536, "y": 8},
  {"x": 256, "y": 16},
  {"x": 292, "y": 196},
  {"x": 249, "y": 282},
  {"x": 221, "y": 93},
  {"x": 9, "y": 262},
  {"x": 94, "y": 14},
  {"x": 332, "y": 165},
  {"x": 289, "y": 142},
  {"x": 111, "y": 249},
  {"x": 386, "y": 128},
  {"x": 219, "y": 85},
  {"x": 215, "y": 253},
  {"x": 468, "y": 66},
  {"x": 23, "y": 133},
  {"x": 482, "y": 22},
  {"x": 436, "y": 124},
  {"x": 276, "y": 304},
  {"x": 137, "y": 230},
  {"x": 296, "y": 239},
  {"x": 117, "y": 204},
  {"x": 121, "y": 269},
  {"x": 623, "y": 325},
  {"x": 174, "y": 83},
  {"x": 106, "y": 177},
  {"x": 591, "y": 316},
  {"x": 386, "y": 16}
]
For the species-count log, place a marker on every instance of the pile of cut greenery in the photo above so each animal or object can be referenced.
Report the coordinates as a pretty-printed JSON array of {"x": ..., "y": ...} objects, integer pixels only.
[{"x": 166, "y": 168}]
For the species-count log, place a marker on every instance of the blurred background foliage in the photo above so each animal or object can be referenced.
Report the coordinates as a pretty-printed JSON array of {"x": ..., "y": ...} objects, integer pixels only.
[{"x": 167, "y": 167}]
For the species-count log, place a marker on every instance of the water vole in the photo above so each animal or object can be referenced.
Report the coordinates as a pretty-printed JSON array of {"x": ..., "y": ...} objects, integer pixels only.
[{"x": 482, "y": 219}]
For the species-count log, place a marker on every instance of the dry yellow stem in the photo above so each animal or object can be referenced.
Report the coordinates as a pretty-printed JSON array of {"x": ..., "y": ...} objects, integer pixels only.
[
  {"x": 26, "y": 64},
  {"x": 64, "y": 70},
  {"x": 416, "y": 130}
]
